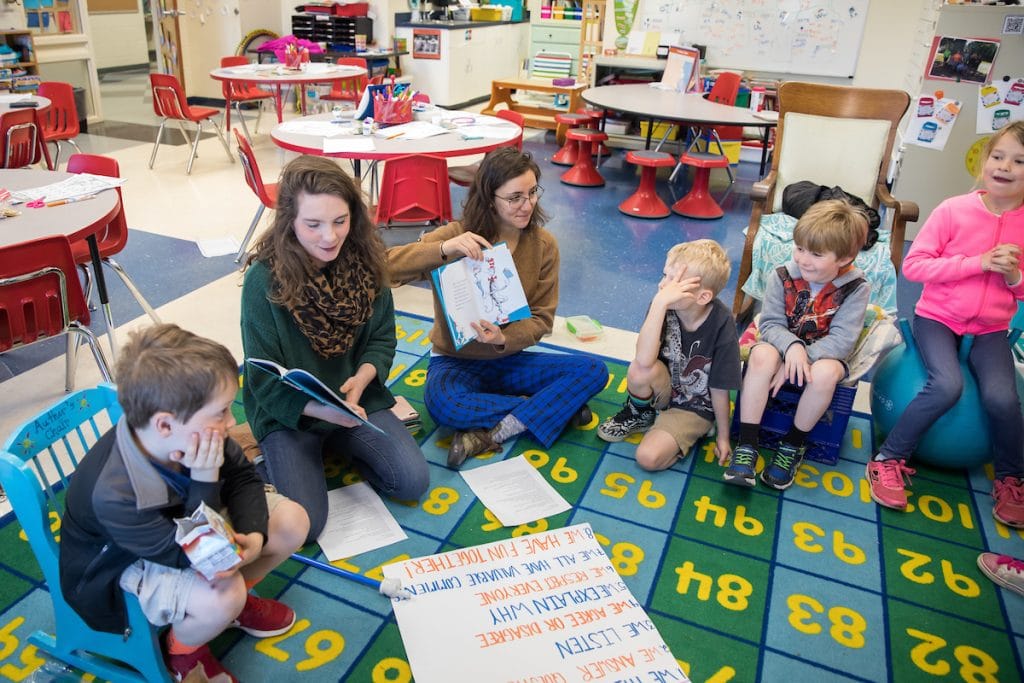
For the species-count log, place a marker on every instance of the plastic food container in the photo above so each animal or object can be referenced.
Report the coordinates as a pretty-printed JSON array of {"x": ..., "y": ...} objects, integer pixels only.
[{"x": 585, "y": 328}]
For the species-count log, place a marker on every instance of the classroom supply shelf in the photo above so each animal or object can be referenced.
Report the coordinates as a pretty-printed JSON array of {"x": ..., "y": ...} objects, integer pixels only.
[{"x": 515, "y": 93}]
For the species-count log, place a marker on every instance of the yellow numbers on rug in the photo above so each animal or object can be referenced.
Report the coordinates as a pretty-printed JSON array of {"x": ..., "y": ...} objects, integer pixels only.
[
  {"x": 625, "y": 557},
  {"x": 9, "y": 645},
  {"x": 975, "y": 665},
  {"x": 805, "y": 537},
  {"x": 560, "y": 470},
  {"x": 913, "y": 570},
  {"x": 617, "y": 486},
  {"x": 322, "y": 646},
  {"x": 733, "y": 589},
  {"x": 847, "y": 626},
  {"x": 744, "y": 523},
  {"x": 391, "y": 670}
]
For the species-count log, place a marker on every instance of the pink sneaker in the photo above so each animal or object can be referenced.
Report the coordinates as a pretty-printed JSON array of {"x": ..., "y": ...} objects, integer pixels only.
[
  {"x": 1008, "y": 493},
  {"x": 886, "y": 478},
  {"x": 1007, "y": 571},
  {"x": 263, "y": 617}
]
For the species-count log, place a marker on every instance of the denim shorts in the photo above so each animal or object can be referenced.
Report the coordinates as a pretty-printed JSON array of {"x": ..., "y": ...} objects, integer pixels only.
[{"x": 163, "y": 591}]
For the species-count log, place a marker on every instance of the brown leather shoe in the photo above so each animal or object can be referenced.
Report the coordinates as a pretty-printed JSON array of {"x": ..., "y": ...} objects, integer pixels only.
[{"x": 467, "y": 444}]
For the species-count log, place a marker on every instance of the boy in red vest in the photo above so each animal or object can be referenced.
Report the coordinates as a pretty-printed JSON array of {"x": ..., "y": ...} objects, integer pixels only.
[{"x": 811, "y": 317}]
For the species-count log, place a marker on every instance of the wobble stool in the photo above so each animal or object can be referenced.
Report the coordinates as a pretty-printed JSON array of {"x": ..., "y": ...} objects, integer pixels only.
[
  {"x": 566, "y": 155},
  {"x": 584, "y": 173},
  {"x": 645, "y": 202}
]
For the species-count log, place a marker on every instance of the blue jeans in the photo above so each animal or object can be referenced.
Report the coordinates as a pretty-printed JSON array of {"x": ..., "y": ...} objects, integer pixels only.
[
  {"x": 543, "y": 390},
  {"x": 991, "y": 362},
  {"x": 391, "y": 462}
]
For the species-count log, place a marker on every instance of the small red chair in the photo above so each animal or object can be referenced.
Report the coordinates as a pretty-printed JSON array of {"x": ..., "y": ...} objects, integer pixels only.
[
  {"x": 698, "y": 202},
  {"x": 584, "y": 173},
  {"x": 414, "y": 191},
  {"x": 566, "y": 156},
  {"x": 596, "y": 117},
  {"x": 724, "y": 91},
  {"x": 645, "y": 202},
  {"x": 266, "y": 192},
  {"x": 463, "y": 175},
  {"x": 60, "y": 119},
  {"x": 21, "y": 137},
  {"x": 113, "y": 239},
  {"x": 169, "y": 104},
  {"x": 349, "y": 89},
  {"x": 238, "y": 93},
  {"x": 41, "y": 297}
]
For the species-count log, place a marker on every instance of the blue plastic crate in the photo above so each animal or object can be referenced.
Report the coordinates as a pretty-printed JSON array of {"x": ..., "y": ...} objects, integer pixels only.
[{"x": 824, "y": 441}]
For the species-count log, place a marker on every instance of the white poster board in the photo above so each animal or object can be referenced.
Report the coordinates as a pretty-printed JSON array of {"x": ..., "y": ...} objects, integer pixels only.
[{"x": 540, "y": 607}]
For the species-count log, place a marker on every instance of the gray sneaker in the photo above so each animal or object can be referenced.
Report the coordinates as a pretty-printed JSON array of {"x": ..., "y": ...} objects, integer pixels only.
[
  {"x": 632, "y": 419},
  {"x": 741, "y": 467}
]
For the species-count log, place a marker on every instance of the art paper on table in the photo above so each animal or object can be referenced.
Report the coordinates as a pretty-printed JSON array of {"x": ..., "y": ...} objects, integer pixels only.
[
  {"x": 514, "y": 491},
  {"x": 415, "y": 130},
  {"x": 350, "y": 143},
  {"x": 471, "y": 291},
  {"x": 357, "y": 522},
  {"x": 541, "y": 607},
  {"x": 496, "y": 131},
  {"x": 931, "y": 120},
  {"x": 999, "y": 104},
  {"x": 322, "y": 128},
  {"x": 217, "y": 246},
  {"x": 78, "y": 185}
]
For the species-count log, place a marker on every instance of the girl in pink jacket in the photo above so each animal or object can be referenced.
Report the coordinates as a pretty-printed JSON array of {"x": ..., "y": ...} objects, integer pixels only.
[{"x": 968, "y": 255}]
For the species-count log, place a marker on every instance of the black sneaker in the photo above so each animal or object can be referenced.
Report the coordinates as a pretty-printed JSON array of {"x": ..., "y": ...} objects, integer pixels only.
[
  {"x": 741, "y": 467},
  {"x": 779, "y": 473},
  {"x": 632, "y": 419},
  {"x": 582, "y": 418}
]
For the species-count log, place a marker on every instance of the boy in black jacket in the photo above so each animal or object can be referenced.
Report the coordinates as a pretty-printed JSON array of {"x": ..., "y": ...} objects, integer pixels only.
[{"x": 165, "y": 456}]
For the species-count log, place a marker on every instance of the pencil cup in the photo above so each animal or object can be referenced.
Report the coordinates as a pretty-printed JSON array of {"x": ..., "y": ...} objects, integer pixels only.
[{"x": 389, "y": 112}]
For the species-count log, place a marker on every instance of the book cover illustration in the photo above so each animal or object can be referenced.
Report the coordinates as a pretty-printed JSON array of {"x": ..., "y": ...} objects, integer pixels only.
[
  {"x": 489, "y": 290},
  {"x": 303, "y": 381}
]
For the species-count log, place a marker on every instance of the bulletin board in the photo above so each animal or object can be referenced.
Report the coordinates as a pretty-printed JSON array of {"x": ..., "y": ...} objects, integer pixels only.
[
  {"x": 813, "y": 37},
  {"x": 96, "y": 6}
]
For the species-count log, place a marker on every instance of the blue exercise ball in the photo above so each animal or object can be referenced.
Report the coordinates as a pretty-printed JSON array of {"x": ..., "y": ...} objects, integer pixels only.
[{"x": 958, "y": 439}]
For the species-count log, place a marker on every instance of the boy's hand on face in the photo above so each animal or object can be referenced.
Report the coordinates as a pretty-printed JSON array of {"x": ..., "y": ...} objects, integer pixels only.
[
  {"x": 204, "y": 456},
  {"x": 677, "y": 289}
]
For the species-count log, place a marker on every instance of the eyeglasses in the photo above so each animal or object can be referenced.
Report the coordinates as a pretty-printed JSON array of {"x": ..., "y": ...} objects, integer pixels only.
[{"x": 518, "y": 200}]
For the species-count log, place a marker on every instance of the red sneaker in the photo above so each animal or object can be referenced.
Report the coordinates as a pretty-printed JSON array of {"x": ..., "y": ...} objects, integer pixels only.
[
  {"x": 263, "y": 617},
  {"x": 1008, "y": 493},
  {"x": 181, "y": 665},
  {"x": 888, "y": 480}
]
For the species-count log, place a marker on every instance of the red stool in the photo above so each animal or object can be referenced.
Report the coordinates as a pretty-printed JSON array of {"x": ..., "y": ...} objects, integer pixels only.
[
  {"x": 583, "y": 173},
  {"x": 566, "y": 156},
  {"x": 698, "y": 202},
  {"x": 596, "y": 117},
  {"x": 645, "y": 202}
]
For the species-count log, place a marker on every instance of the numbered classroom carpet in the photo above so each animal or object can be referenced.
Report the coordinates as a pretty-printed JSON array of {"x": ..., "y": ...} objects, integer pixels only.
[{"x": 814, "y": 584}]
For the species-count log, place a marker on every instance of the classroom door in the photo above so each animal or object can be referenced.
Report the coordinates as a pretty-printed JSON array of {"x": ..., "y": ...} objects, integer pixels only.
[{"x": 166, "y": 15}]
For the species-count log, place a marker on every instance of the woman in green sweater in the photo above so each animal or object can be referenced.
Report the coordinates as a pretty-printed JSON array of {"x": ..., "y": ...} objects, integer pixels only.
[{"x": 316, "y": 297}]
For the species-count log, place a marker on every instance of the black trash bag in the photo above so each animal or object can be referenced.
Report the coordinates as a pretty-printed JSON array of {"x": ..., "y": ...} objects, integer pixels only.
[{"x": 800, "y": 196}]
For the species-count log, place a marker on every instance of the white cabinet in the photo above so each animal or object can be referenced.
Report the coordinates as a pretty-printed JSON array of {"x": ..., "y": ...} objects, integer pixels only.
[
  {"x": 556, "y": 35},
  {"x": 470, "y": 59}
]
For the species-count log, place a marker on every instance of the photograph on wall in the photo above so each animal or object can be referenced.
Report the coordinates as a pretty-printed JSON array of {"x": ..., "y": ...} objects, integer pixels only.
[
  {"x": 962, "y": 59},
  {"x": 931, "y": 119},
  {"x": 426, "y": 43},
  {"x": 999, "y": 104}
]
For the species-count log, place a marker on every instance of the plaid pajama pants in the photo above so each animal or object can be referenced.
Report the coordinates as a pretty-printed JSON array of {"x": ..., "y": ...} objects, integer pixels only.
[{"x": 542, "y": 390}]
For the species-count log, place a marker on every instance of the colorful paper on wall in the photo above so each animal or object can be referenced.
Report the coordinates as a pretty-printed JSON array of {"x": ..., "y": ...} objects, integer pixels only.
[
  {"x": 931, "y": 120},
  {"x": 540, "y": 607},
  {"x": 999, "y": 104}
]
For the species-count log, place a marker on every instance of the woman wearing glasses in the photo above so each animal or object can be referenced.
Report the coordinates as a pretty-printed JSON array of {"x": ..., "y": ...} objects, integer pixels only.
[{"x": 492, "y": 390}]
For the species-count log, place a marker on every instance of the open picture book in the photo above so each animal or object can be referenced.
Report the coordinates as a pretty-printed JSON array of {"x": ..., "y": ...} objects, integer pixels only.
[
  {"x": 471, "y": 291},
  {"x": 303, "y": 381}
]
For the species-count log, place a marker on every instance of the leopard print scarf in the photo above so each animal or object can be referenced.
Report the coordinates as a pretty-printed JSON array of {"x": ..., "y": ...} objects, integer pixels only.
[{"x": 338, "y": 301}]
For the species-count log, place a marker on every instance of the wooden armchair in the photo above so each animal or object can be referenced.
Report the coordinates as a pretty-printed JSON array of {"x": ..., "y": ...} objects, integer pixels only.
[{"x": 830, "y": 135}]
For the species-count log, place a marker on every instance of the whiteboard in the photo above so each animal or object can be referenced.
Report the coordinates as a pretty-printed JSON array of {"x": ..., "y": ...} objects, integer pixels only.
[{"x": 813, "y": 37}]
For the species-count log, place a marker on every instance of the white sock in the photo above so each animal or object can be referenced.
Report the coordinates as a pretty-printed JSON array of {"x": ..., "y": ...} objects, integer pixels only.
[{"x": 508, "y": 427}]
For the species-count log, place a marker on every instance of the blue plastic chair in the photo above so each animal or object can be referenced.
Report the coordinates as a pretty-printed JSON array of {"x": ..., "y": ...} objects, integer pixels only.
[{"x": 35, "y": 467}]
